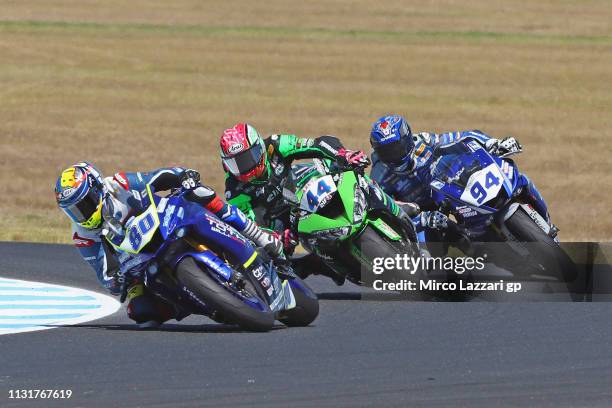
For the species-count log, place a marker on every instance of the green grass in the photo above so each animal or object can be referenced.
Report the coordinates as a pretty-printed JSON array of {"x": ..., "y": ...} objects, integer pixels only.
[
  {"x": 308, "y": 33},
  {"x": 153, "y": 84}
]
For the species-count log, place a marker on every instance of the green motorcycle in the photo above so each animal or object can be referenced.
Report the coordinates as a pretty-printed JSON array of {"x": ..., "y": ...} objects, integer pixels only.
[{"x": 346, "y": 220}]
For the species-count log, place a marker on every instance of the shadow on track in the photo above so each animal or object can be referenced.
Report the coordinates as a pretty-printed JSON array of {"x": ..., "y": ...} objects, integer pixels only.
[
  {"x": 396, "y": 296},
  {"x": 171, "y": 327}
]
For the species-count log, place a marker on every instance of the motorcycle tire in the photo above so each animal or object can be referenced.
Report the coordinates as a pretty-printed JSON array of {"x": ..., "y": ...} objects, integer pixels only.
[
  {"x": 222, "y": 299},
  {"x": 546, "y": 257},
  {"x": 306, "y": 308}
]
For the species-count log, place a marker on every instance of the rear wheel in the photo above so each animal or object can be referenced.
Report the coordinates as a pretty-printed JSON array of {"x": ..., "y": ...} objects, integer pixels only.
[
  {"x": 306, "y": 305},
  {"x": 545, "y": 256},
  {"x": 225, "y": 300}
]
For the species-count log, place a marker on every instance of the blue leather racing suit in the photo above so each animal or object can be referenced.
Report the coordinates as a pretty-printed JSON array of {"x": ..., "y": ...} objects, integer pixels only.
[
  {"x": 102, "y": 257},
  {"x": 413, "y": 185}
]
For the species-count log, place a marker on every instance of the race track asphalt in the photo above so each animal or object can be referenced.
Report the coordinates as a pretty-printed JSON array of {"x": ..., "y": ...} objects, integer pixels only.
[{"x": 357, "y": 353}]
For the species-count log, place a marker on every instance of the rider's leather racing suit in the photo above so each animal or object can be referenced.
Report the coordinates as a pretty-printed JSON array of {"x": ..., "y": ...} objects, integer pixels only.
[
  {"x": 262, "y": 200},
  {"x": 413, "y": 185},
  {"x": 144, "y": 307}
]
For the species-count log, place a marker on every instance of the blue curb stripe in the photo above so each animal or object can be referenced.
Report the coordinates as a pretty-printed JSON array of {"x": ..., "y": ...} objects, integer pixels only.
[
  {"x": 47, "y": 316},
  {"x": 21, "y": 326},
  {"x": 32, "y": 289},
  {"x": 26, "y": 306},
  {"x": 35, "y": 297}
]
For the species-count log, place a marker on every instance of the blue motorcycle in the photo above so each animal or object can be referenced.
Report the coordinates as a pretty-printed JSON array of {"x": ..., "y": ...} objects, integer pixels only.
[
  {"x": 171, "y": 247},
  {"x": 490, "y": 202}
]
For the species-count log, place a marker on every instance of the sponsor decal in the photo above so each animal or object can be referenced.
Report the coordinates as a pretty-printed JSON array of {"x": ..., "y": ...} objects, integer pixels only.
[
  {"x": 278, "y": 170},
  {"x": 473, "y": 146},
  {"x": 235, "y": 148},
  {"x": 325, "y": 257},
  {"x": 456, "y": 176},
  {"x": 387, "y": 137},
  {"x": 420, "y": 149},
  {"x": 329, "y": 148},
  {"x": 122, "y": 180},
  {"x": 168, "y": 215},
  {"x": 508, "y": 169},
  {"x": 466, "y": 211},
  {"x": 272, "y": 195},
  {"x": 218, "y": 226},
  {"x": 82, "y": 242},
  {"x": 434, "y": 165},
  {"x": 258, "y": 273},
  {"x": 270, "y": 150},
  {"x": 437, "y": 184},
  {"x": 66, "y": 193},
  {"x": 537, "y": 218}
]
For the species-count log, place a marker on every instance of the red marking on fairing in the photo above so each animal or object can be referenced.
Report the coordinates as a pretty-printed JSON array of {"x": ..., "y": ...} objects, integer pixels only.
[
  {"x": 121, "y": 178},
  {"x": 215, "y": 205},
  {"x": 82, "y": 242}
]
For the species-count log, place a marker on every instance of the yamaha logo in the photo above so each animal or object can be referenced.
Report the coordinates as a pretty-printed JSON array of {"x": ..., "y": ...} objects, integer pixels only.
[{"x": 235, "y": 148}]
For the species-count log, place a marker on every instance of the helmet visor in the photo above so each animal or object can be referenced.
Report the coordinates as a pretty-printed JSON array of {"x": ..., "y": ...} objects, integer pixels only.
[
  {"x": 245, "y": 161},
  {"x": 83, "y": 210},
  {"x": 394, "y": 153}
]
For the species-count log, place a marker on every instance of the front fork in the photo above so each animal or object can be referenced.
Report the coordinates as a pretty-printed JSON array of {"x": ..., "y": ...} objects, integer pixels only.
[{"x": 531, "y": 195}]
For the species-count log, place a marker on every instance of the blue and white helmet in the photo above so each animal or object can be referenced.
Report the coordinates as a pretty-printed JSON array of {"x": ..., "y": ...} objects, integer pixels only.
[
  {"x": 79, "y": 192},
  {"x": 391, "y": 138}
]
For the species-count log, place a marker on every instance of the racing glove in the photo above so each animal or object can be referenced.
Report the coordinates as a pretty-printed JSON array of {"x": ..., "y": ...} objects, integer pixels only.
[
  {"x": 505, "y": 147},
  {"x": 411, "y": 209},
  {"x": 289, "y": 240},
  {"x": 263, "y": 239},
  {"x": 434, "y": 220},
  {"x": 353, "y": 158},
  {"x": 190, "y": 179}
]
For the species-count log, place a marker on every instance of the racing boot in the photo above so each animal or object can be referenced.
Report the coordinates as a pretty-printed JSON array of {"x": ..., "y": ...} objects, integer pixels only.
[
  {"x": 310, "y": 264},
  {"x": 147, "y": 310},
  {"x": 257, "y": 267}
]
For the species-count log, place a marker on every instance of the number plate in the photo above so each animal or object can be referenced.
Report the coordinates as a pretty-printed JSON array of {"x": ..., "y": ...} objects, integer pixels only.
[
  {"x": 140, "y": 231},
  {"x": 483, "y": 185},
  {"x": 317, "y": 192}
]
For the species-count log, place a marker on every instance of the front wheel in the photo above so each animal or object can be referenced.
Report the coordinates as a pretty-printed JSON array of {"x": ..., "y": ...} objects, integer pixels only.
[
  {"x": 545, "y": 256},
  {"x": 306, "y": 308},
  {"x": 244, "y": 309},
  {"x": 372, "y": 245}
]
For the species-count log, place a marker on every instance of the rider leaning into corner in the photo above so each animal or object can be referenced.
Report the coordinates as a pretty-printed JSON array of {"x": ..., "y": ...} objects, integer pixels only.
[
  {"x": 83, "y": 194},
  {"x": 402, "y": 165},
  {"x": 256, "y": 169}
]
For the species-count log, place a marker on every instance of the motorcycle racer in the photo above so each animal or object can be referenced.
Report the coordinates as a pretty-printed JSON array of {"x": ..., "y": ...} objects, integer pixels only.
[
  {"x": 80, "y": 192},
  {"x": 403, "y": 162},
  {"x": 256, "y": 169}
]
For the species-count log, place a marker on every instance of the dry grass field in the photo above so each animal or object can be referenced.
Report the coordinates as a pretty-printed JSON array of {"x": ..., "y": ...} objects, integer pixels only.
[{"x": 136, "y": 85}]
